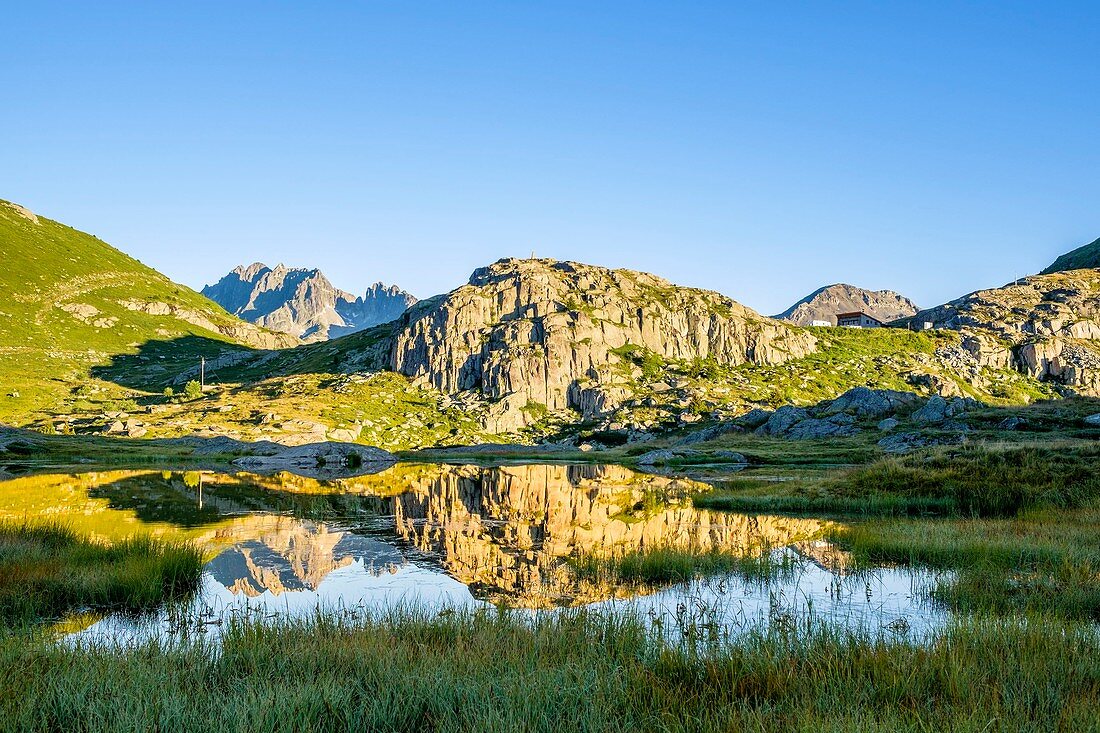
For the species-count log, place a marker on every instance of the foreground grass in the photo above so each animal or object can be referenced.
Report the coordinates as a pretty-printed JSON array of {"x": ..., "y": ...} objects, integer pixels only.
[
  {"x": 486, "y": 671},
  {"x": 47, "y": 571}
]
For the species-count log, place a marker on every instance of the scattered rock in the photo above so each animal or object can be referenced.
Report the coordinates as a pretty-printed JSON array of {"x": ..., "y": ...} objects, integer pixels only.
[
  {"x": 888, "y": 424},
  {"x": 1093, "y": 420},
  {"x": 907, "y": 442},
  {"x": 1011, "y": 423},
  {"x": 710, "y": 433}
]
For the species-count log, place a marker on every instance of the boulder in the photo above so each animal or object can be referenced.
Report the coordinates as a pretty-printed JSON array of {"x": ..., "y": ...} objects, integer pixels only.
[
  {"x": 888, "y": 424},
  {"x": 782, "y": 420},
  {"x": 863, "y": 402},
  {"x": 813, "y": 429},
  {"x": 754, "y": 418},
  {"x": 1011, "y": 423},
  {"x": 710, "y": 433},
  {"x": 906, "y": 442},
  {"x": 1093, "y": 420}
]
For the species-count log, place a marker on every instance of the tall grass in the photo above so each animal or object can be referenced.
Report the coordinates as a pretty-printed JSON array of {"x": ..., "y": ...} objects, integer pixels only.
[
  {"x": 489, "y": 671},
  {"x": 47, "y": 570},
  {"x": 666, "y": 565},
  {"x": 1044, "y": 560}
]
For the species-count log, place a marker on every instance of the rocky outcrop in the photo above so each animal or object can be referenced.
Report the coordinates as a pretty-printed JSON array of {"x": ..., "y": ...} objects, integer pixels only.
[
  {"x": 824, "y": 305},
  {"x": 303, "y": 302},
  {"x": 1047, "y": 326},
  {"x": 538, "y": 335},
  {"x": 239, "y": 331}
]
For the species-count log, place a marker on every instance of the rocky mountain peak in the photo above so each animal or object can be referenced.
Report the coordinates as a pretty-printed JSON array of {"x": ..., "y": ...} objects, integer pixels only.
[
  {"x": 825, "y": 303},
  {"x": 303, "y": 302}
]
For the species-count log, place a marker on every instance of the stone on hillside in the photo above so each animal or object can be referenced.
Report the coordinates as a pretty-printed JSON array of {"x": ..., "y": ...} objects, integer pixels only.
[
  {"x": 656, "y": 457},
  {"x": 1093, "y": 420},
  {"x": 344, "y": 435},
  {"x": 935, "y": 410},
  {"x": 116, "y": 428},
  {"x": 888, "y": 424}
]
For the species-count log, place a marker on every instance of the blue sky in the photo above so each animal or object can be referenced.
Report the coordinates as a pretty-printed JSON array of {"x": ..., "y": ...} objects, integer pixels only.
[{"x": 758, "y": 149}]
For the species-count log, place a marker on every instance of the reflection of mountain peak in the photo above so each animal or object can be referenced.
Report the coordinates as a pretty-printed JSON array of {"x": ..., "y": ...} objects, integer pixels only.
[{"x": 297, "y": 557}]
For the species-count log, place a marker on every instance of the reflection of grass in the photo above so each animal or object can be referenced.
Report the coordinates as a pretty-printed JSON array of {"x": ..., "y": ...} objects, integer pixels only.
[
  {"x": 580, "y": 671},
  {"x": 1040, "y": 561},
  {"x": 665, "y": 565},
  {"x": 47, "y": 571}
]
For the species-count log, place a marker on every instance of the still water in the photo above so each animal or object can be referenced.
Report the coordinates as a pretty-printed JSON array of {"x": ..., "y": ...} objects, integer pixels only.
[{"x": 447, "y": 536}]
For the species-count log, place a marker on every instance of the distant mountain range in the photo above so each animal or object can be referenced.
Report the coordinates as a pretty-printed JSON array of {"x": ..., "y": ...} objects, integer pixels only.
[
  {"x": 824, "y": 305},
  {"x": 304, "y": 303}
]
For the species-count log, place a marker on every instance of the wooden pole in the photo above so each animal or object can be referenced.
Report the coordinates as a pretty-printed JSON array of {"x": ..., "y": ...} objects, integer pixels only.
[{"x": 202, "y": 372}]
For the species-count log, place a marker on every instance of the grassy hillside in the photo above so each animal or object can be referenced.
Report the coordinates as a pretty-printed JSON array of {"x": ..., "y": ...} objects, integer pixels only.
[
  {"x": 1081, "y": 258},
  {"x": 69, "y": 302}
]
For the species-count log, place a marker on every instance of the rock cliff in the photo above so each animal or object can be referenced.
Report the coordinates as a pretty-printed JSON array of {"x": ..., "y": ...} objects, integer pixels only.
[
  {"x": 1048, "y": 326},
  {"x": 303, "y": 302},
  {"x": 539, "y": 335},
  {"x": 824, "y": 305}
]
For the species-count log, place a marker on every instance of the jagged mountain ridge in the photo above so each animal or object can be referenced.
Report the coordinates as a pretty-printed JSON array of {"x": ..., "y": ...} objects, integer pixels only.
[
  {"x": 303, "y": 302},
  {"x": 825, "y": 303}
]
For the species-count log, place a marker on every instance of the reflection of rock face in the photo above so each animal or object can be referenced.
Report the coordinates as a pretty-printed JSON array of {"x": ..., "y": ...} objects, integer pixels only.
[
  {"x": 505, "y": 531},
  {"x": 295, "y": 555}
]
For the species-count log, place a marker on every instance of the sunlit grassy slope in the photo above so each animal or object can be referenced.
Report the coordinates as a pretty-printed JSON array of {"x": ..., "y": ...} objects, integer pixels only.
[{"x": 69, "y": 301}]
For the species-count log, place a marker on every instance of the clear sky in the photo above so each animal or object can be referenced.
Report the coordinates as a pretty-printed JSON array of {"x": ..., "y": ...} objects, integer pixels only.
[{"x": 759, "y": 149}]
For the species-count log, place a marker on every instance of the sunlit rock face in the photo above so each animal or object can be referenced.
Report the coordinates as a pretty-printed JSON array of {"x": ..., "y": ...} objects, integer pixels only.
[
  {"x": 543, "y": 332},
  {"x": 1047, "y": 325}
]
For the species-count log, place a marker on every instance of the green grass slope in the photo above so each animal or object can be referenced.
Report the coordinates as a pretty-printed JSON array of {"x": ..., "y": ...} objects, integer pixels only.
[
  {"x": 1081, "y": 258},
  {"x": 70, "y": 302}
]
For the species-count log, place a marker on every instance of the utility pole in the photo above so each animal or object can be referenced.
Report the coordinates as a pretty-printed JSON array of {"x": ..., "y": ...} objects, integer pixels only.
[{"x": 202, "y": 372}]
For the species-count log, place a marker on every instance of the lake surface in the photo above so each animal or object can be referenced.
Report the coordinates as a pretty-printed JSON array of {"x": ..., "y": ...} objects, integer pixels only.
[{"x": 448, "y": 536}]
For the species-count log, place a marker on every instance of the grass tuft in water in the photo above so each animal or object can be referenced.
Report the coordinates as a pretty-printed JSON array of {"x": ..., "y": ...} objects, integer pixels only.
[
  {"x": 48, "y": 571},
  {"x": 662, "y": 565}
]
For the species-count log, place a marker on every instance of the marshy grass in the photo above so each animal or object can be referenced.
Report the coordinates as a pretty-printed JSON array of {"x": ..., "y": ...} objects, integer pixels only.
[
  {"x": 496, "y": 671},
  {"x": 1043, "y": 560},
  {"x": 48, "y": 571},
  {"x": 968, "y": 481},
  {"x": 667, "y": 565}
]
